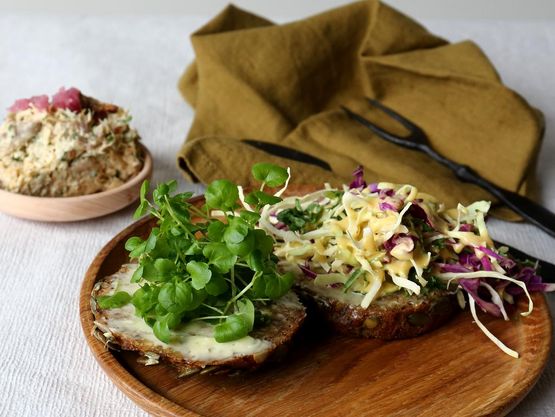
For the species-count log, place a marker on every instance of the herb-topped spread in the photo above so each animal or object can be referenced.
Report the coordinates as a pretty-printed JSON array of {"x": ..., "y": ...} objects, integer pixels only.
[
  {"x": 209, "y": 269},
  {"x": 72, "y": 145}
]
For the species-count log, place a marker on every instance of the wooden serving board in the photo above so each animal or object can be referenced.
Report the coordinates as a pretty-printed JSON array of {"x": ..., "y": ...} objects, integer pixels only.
[{"x": 453, "y": 371}]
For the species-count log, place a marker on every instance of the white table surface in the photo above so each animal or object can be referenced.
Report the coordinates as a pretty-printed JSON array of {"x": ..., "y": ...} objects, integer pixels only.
[{"x": 46, "y": 368}]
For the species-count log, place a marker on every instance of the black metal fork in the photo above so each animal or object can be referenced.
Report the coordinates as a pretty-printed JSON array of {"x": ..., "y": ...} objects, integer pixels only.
[{"x": 417, "y": 140}]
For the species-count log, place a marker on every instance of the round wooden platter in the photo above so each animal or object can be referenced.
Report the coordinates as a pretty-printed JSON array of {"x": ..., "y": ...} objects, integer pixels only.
[{"x": 453, "y": 371}]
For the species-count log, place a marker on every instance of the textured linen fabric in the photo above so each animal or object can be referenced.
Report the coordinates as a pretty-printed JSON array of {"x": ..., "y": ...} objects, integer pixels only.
[
  {"x": 46, "y": 368},
  {"x": 285, "y": 84}
]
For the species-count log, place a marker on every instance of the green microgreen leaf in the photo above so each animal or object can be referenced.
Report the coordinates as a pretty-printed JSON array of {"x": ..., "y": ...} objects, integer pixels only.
[
  {"x": 162, "y": 190},
  {"x": 161, "y": 330},
  {"x": 234, "y": 327},
  {"x": 138, "y": 251},
  {"x": 200, "y": 274},
  {"x": 270, "y": 174},
  {"x": 151, "y": 241},
  {"x": 165, "y": 267},
  {"x": 263, "y": 242},
  {"x": 119, "y": 299},
  {"x": 217, "y": 285},
  {"x": 246, "y": 307},
  {"x": 250, "y": 217},
  {"x": 236, "y": 230},
  {"x": 255, "y": 260},
  {"x": 219, "y": 255},
  {"x": 145, "y": 299},
  {"x": 216, "y": 231},
  {"x": 278, "y": 285},
  {"x": 244, "y": 247},
  {"x": 132, "y": 243},
  {"x": 141, "y": 210},
  {"x": 272, "y": 285},
  {"x": 153, "y": 274},
  {"x": 176, "y": 297},
  {"x": 137, "y": 274},
  {"x": 144, "y": 189},
  {"x": 221, "y": 194},
  {"x": 260, "y": 198}
]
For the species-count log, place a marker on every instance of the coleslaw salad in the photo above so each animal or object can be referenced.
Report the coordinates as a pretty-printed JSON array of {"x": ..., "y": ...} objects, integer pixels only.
[{"x": 370, "y": 240}]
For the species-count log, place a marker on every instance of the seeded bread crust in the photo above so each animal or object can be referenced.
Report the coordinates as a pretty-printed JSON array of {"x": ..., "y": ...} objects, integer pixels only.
[
  {"x": 287, "y": 316},
  {"x": 395, "y": 316}
]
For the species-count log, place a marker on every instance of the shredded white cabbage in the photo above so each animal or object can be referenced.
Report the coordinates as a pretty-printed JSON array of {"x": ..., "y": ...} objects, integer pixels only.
[
  {"x": 371, "y": 294},
  {"x": 496, "y": 299},
  {"x": 242, "y": 198},
  {"x": 489, "y": 274},
  {"x": 489, "y": 334},
  {"x": 394, "y": 248},
  {"x": 351, "y": 232},
  {"x": 280, "y": 192},
  {"x": 411, "y": 286},
  {"x": 460, "y": 299}
]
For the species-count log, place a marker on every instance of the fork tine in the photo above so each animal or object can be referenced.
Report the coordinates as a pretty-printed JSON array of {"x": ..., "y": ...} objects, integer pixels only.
[
  {"x": 374, "y": 128},
  {"x": 389, "y": 111}
]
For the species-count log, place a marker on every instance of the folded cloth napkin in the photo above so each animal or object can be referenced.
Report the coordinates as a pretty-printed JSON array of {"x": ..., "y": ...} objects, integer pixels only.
[{"x": 284, "y": 84}]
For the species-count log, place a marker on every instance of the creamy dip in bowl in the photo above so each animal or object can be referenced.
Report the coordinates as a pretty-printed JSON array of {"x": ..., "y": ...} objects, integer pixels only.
[{"x": 74, "y": 145}]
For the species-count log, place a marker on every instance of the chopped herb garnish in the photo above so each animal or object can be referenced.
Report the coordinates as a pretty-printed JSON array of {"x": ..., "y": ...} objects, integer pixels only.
[
  {"x": 352, "y": 279},
  {"x": 297, "y": 218}
]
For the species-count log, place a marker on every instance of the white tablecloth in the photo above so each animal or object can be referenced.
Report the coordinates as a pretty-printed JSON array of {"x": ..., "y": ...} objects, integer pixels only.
[{"x": 46, "y": 368}]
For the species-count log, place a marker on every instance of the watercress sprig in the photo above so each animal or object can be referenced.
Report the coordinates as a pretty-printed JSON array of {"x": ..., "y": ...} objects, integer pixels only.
[{"x": 195, "y": 265}]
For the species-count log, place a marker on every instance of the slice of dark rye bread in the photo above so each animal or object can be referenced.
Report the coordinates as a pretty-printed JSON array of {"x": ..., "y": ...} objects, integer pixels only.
[
  {"x": 120, "y": 328},
  {"x": 394, "y": 316}
]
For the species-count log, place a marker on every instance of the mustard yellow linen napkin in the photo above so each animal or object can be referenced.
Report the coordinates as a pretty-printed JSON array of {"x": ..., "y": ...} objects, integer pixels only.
[{"x": 284, "y": 84}]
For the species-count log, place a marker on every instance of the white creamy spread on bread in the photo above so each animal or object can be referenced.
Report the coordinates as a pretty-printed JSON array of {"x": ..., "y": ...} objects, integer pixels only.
[
  {"x": 195, "y": 340},
  {"x": 59, "y": 152}
]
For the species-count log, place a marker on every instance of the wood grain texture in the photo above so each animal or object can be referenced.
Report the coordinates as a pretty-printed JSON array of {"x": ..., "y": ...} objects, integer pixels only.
[
  {"x": 453, "y": 371},
  {"x": 69, "y": 209}
]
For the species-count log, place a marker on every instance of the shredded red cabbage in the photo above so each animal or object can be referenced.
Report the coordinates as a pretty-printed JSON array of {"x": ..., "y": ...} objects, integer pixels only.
[
  {"x": 486, "y": 264},
  {"x": 308, "y": 272},
  {"x": 397, "y": 239},
  {"x": 386, "y": 192},
  {"x": 466, "y": 227},
  {"x": 470, "y": 261},
  {"x": 373, "y": 188},
  {"x": 471, "y": 286},
  {"x": 281, "y": 226},
  {"x": 504, "y": 261},
  {"x": 533, "y": 282},
  {"x": 358, "y": 180},
  {"x": 416, "y": 211},
  {"x": 384, "y": 205}
]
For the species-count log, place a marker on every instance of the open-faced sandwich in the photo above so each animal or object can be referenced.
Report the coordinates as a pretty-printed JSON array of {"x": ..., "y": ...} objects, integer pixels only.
[
  {"x": 388, "y": 261},
  {"x": 210, "y": 287},
  {"x": 204, "y": 291},
  {"x": 68, "y": 146}
]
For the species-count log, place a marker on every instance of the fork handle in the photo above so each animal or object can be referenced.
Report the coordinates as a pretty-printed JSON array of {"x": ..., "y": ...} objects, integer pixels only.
[{"x": 531, "y": 211}]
